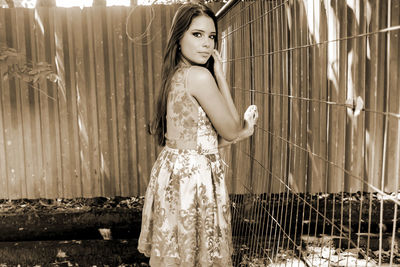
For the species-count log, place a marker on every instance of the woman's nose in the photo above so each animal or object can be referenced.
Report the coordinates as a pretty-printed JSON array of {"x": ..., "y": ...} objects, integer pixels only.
[{"x": 207, "y": 43}]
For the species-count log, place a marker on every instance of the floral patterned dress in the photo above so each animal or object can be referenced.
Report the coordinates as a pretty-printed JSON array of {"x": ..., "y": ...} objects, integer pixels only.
[{"x": 186, "y": 218}]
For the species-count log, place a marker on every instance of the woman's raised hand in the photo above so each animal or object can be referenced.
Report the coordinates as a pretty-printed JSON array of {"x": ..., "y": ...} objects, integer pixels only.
[
  {"x": 217, "y": 63},
  {"x": 251, "y": 115}
]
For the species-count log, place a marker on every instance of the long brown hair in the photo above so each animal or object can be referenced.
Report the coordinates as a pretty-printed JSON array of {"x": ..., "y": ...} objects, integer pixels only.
[{"x": 180, "y": 24}]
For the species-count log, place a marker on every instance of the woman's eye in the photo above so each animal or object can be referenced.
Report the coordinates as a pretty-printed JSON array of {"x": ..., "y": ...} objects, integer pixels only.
[
  {"x": 197, "y": 34},
  {"x": 212, "y": 37}
]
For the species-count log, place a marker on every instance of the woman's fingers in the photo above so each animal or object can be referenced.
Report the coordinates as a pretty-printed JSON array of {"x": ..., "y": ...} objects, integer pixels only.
[
  {"x": 251, "y": 114},
  {"x": 217, "y": 55}
]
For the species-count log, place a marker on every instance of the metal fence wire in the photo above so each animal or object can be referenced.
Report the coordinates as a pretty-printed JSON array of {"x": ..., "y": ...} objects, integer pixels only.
[{"x": 318, "y": 183}]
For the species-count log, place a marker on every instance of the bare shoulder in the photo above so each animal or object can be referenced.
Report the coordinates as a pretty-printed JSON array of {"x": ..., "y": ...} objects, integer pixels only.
[{"x": 200, "y": 78}]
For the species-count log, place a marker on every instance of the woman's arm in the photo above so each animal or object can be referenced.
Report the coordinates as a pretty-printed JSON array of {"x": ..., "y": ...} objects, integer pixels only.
[
  {"x": 222, "y": 142},
  {"x": 203, "y": 87},
  {"x": 250, "y": 118},
  {"x": 223, "y": 85}
]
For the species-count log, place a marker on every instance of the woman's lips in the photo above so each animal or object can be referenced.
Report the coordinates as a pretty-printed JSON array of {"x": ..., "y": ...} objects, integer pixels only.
[{"x": 204, "y": 54}]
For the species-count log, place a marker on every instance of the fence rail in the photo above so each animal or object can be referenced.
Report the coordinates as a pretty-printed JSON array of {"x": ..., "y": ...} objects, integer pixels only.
[{"x": 320, "y": 176}]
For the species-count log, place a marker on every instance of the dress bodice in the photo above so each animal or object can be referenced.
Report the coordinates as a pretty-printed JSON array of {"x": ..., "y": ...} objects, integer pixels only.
[{"x": 188, "y": 126}]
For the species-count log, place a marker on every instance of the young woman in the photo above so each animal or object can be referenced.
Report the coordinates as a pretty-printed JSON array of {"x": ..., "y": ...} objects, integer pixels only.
[{"x": 186, "y": 218}]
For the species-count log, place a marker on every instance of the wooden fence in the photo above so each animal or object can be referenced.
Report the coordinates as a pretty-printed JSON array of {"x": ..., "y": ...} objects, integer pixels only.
[
  {"x": 325, "y": 76},
  {"x": 86, "y": 135}
]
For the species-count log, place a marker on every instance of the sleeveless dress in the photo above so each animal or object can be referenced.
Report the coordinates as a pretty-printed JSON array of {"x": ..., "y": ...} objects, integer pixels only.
[{"x": 186, "y": 219}]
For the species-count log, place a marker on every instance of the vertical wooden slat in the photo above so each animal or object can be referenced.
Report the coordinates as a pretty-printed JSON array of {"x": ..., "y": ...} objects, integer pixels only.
[
  {"x": 393, "y": 148},
  {"x": 12, "y": 118},
  {"x": 326, "y": 84},
  {"x": 54, "y": 120},
  {"x": 246, "y": 97},
  {"x": 91, "y": 102},
  {"x": 298, "y": 158},
  {"x": 375, "y": 96},
  {"x": 235, "y": 33},
  {"x": 160, "y": 37},
  {"x": 41, "y": 23},
  {"x": 354, "y": 131},
  {"x": 258, "y": 99},
  {"x": 318, "y": 54},
  {"x": 81, "y": 90},
  {"x": 35, "y": 181},
  {"x": 112, "y": 98},
  {"x": 102, "y": 80},
  {"x": 142, "y": 147},
  {"x": 232, "y": 54},
  {"x": 305, "y": 93},
  {"x": 26, "y": 152},
  {"x": 120, "y": 100},
  {"x": 75, "y": 182},
  {"x": 134, "y": 182},
  {"x": 61, "y": 43},
  {"x": 338, "y": 95},
  {"x": 3, "y": 110},
  {"x": 149, "y": 56}
]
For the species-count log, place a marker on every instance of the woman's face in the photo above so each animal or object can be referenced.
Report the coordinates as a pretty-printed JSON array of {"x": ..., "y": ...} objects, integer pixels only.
[{"x": 197, "y": 44}]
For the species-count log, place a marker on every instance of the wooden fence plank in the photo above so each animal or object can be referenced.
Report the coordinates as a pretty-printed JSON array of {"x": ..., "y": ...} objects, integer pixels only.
[
  {"x": 27, "y": 169},
  {"x": 91, "y": 102},
  {"x": 122, "y": 98},
  {"x": 393, "y": 148},
  {"x": 318, "y": 93},
  {"x": 149, "y": 55},
  {"x": 276, "y": 103},
  {"x": 41, "y": 21},
  {"x": 258, "y": 72},
  {"x": 232, "y": 54},
  {"x": 159, "y": 39},
  {"x": 154, "y": 52},
  {"x": 81, "y": 90},
  {"x": 53, "y": 119},
  {"x": 3, "y": 140},
  {"x": 146, "y": 86},
  {"x": 337, "y": 134},
  {"x": 375, "y": 98},
  {"x": 334, "y": 55},
  {"x": 34, "y": 104},
  {"x": 12, "y": 118},
  {"x": 112, "y": 114},
  {"x": 134, "y": 185},
  {"x": 246, "y": 86},
  {"x": 54, "y": 113},
  {"x": 101, "y": 68},
  {"x": 75, "y": 182},
  {"x": 61, "y": 43},
  {"x": 138, "y": 26},
  {"x": 122, "y": 93}
]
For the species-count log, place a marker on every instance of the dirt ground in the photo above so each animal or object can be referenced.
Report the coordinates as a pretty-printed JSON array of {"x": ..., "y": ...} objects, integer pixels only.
[
  {"x": 104, "y": 232},
  {"x": 71, "y": 232}
]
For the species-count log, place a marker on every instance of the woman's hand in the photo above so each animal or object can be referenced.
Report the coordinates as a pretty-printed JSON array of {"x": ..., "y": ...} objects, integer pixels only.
[
  {"x": 218, "y": 71},
  {"x": 251, "y": 115},
  {"x": 250, "y": 119}
]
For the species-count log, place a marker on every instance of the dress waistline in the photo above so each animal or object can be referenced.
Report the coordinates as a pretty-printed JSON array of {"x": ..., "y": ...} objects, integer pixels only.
[{"x": 191, "y": 151}]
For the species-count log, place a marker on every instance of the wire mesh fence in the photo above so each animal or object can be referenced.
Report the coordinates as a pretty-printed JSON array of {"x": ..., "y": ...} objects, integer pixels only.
[{"x": 318, "y": 183}]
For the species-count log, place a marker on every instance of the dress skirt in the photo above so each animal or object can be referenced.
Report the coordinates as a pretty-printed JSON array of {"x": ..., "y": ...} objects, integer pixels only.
[{"x": 186, "y": 218}]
